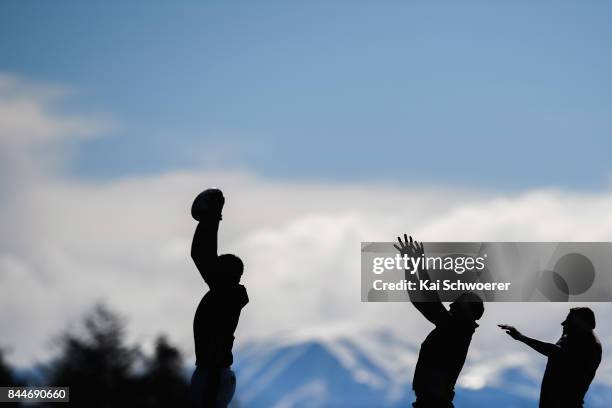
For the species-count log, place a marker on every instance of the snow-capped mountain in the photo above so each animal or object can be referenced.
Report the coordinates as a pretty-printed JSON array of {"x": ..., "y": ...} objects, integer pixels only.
[{"x": 371, "y": 368}]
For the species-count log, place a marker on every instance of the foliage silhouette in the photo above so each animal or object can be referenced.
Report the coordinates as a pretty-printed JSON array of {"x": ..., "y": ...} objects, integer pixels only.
[
  {"x": 165, "y": 376},
  {"x": 8, "y": 378},
  {"x": 102, "y": 370}
]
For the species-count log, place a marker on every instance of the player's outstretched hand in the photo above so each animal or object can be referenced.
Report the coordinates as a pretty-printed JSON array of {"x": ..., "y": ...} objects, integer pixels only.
[
  {"x": 410, "y": 248},
  {"x": 511, "y": 331}
]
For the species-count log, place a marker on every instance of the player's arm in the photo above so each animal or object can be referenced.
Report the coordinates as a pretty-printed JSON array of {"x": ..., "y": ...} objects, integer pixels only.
[
  {"x": 547, "y": 349},
  {"x": 426, "y": 301},
  {"x": 204, "y": 249},
  {"x": 207, "y": 209}
]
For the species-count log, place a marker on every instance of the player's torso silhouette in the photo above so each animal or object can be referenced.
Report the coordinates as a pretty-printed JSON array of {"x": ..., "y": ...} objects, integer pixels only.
[
  {"x": 442, "y": 357},
  {"x": 214, "y": 325},
  {"x": 570, "y": 371}
]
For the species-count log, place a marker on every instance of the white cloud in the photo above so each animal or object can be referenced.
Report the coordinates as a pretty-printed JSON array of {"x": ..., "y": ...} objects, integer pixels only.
[
  {"x": 34, "y": 131},
  {"x": 68, "y": 243}
]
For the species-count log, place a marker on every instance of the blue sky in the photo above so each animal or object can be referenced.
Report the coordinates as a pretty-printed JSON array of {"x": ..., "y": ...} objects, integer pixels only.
[{"x": 499, "y": 96}]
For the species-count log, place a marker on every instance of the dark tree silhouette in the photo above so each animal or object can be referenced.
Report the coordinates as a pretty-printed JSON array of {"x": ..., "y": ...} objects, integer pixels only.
[
  {"x": 7, "y": 378},
  {"x": 164, "y": 383},
  {"x": 102, "y": 370},
  {"x": 96, "y": 364}
]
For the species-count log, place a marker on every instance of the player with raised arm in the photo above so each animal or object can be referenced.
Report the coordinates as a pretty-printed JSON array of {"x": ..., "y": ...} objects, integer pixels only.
[
  {"x": 213, "y": 382},
  {"x": 444, "y": 351}
]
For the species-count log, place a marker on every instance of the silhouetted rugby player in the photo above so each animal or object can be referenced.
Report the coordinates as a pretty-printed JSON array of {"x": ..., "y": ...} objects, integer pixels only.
[
  {"x": 572, "y": 361},
  {"x": 213, "y": 382},
  {"x": 443, "y": 352}
]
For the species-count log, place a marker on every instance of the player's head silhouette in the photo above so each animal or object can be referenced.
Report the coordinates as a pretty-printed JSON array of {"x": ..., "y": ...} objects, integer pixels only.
[
  {"x": 468, "y": 306},
  {"x": 579, "y": 320},
  {"x": 232, "y": 267}
]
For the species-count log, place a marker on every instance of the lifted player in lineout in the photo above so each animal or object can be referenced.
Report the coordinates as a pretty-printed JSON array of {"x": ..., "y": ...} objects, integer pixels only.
[{"x": 213, "y": 382}]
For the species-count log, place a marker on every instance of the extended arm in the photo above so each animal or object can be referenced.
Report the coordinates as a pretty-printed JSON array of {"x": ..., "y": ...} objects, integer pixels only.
[
  {"x": 204, "y": 248},
  {"x": 426, "y": 301},
  {"x": 206, "y": 209},
  {"x": 547, "y": 349}
]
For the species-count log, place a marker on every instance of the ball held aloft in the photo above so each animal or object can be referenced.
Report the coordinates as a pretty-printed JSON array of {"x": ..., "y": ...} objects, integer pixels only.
[{"x": 208, "y": 203}]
